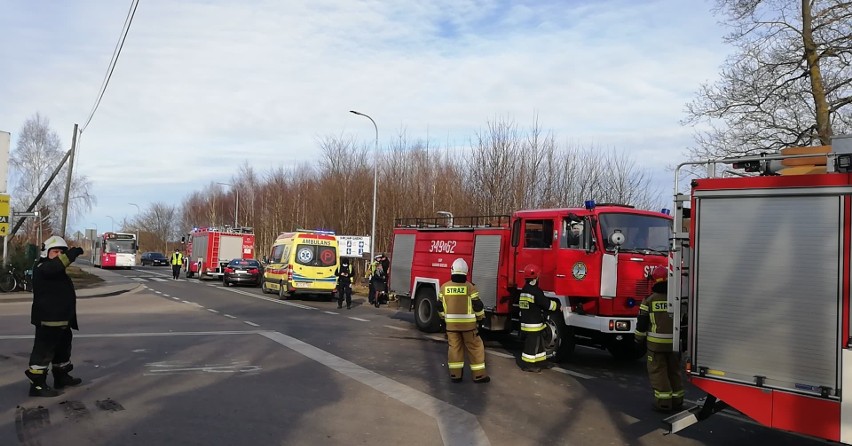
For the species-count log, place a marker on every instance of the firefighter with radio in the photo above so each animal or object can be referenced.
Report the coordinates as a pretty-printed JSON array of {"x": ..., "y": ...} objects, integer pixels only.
[
  {"x": 177, "y": 262},
  {"x": 54, "y": 314},
  {"x": 534, "y": 305},
  {"x": 654, "y": 330},
  {"x": 460, "y": 308}
]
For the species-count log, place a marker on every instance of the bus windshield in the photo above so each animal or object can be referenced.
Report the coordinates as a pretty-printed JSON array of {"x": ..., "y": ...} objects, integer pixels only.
[
  {"x": 119, "y": 246},
  {"x": 641, "y": 232}
]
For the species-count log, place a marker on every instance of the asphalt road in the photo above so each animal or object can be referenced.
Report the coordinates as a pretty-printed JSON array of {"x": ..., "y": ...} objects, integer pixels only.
[{"x": 188, "y": 362}]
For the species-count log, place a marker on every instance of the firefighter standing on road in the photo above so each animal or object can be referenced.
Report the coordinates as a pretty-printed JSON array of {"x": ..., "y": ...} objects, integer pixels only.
[
  {"x": 344, "y": 283},
  {"x": 533, "y": 304},
  {"x": 177, "y": 262},
  {"x": 654, "y": 329},
  {"x": 54, "y": 314},
  {"x": 459, "y": 306}
]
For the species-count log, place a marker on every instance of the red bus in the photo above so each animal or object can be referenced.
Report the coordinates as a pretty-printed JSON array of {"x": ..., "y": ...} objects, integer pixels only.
[{"x": 115, "y": 250}]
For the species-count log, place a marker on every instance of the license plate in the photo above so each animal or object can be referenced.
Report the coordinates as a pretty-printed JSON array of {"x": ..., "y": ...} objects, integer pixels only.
[
  {"x": 240, "y": 271},
  {"x": 302, "y": 284}
]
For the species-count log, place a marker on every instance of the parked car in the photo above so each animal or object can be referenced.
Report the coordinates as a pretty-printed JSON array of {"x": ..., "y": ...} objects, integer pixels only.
[
  {"x": 154, "y": 259},
  {"x": 248, "y": 271}
]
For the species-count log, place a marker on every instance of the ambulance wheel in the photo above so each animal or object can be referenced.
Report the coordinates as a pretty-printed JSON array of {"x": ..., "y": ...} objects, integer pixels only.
[
  {"x": 263, "y": 288},
  {"x": 558, "y": 339},
  {"x": 426, "y": 310},
  {"x": 625, "y": 349},
  {"x": 282, "y": 291}
]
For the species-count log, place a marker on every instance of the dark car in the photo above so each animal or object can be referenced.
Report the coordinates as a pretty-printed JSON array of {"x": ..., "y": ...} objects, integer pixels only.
[
  {"x": 248, "y": 271},
  {"x": 154, "y": 259}
]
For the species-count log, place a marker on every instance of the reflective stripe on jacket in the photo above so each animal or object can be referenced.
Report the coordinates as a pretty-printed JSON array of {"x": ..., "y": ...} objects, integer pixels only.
[
  {"x": 655, "y": 323},
  {"x": 533, "y": 304},
  {"x": 457, "y": 306}
]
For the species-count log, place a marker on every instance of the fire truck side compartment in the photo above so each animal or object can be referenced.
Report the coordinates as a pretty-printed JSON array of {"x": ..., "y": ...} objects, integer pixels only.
[{"x": 785, "y": 326}]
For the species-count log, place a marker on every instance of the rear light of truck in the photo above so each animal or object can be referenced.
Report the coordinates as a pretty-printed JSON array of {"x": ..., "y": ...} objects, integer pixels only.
[{"x": 619, "y": 325}]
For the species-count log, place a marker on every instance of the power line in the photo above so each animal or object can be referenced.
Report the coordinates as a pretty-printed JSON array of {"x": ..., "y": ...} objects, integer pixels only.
[{"x": 116, "y": 52}]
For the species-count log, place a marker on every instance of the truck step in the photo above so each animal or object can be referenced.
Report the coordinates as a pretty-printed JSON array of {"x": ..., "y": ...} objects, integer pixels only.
[{"x": 681, "y": 420}]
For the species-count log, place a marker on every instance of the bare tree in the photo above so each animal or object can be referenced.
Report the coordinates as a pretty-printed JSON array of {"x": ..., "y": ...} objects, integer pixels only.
[
  {"x": 36, "y": 155},
  {"x": 789, "y": 84}
]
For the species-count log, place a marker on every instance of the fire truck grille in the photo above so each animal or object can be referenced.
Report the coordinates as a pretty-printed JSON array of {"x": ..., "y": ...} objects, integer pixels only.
[{"x": 638, "y": 289}]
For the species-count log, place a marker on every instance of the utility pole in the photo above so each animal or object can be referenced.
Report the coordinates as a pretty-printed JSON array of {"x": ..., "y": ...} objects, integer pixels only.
[{"x": 68, "y": 181}]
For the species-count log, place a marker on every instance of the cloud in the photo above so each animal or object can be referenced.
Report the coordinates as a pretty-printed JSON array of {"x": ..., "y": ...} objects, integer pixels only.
[{"x": 203, "y": 85}]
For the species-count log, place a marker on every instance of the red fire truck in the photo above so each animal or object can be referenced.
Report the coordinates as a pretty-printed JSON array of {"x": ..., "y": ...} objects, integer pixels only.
[
  {"x": 208, "y": 250},
  {"x": 760, "y": 271},
  {"x": 594, "y": 260}
]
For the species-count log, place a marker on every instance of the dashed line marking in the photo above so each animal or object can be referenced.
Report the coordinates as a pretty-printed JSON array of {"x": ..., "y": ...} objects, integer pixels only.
[
  {"x": 358, "y": 319},
  {"x": 212, "y": 310},
  {"x": 251, "y": 323},
  {"x": 396, "y": 328},
  {"x": 229, "y": 316},
  {"x": 166, "y": 295},
  {"x": 572, "y": 373},
  {"x": 175, "y": 298},
  {"x": 330, "y": 312},
  {"x": 500, "y": 354}
]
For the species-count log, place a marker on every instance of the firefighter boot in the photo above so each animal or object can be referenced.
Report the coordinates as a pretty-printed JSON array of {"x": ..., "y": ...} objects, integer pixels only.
[
  {"x": 38, "y": 384},
  {"x": 61, "y": 378}
]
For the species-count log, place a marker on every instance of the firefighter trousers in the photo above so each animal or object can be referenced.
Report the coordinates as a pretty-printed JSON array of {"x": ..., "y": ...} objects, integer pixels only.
[
  {"x": 459, "y": 342},
  {"x": 51, "y": 345},
  {"x": 664, "y": 374},
  {"x": 533, "y": 352}
]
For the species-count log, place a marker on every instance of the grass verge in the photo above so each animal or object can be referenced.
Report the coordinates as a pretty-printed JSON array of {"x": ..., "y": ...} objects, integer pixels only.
[{"x": 81, "y": 278}]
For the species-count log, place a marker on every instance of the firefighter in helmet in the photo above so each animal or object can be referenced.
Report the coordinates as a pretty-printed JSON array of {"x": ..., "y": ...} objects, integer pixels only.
[
  {"x": 54, "y": 314},
  {"x": 459, "y": 306},
  {"x": 533, "y": 304},
  {"x": 654, "y": 331}
]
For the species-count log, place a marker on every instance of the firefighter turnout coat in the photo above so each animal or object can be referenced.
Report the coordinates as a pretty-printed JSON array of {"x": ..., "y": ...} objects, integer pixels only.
[
  {"x": 459, "y": 306},
  {"x": 533, "y": 304},
  {"x": 655, "y": 328}
]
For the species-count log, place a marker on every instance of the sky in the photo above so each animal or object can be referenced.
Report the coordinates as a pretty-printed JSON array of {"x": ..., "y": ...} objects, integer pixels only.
[{"x": 202, "y": 86}]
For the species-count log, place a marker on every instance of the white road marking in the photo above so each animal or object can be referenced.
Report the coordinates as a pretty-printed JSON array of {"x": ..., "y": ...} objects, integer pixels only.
[
  {"x": 330, "y": 312},
  {"x": 251, "y": 323},
  {"x": 229, "y": 316},
  {"x": 159, "y": 279},
  {"x": 500, "y": 354},
  {"x": 457, "y": 426},
  {"x": 358, "y": 319},
  {"x": 276, "y": 301},
  {"x": 175, "y": 298},
  {"x": 572, "y": 373},
  {"x": 212, "y": 310},
  {"x": 396, "y": 328},
  {"x": 138, "y": 279}
]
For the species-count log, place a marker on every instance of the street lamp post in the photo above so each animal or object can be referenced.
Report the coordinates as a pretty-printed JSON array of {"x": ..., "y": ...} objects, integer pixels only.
[
  {"x": 137, "y": 222},
  {"x": 375, "y": 182},
  {"x": 237, "y": 204},
  {"x": 112, "y": 220}
]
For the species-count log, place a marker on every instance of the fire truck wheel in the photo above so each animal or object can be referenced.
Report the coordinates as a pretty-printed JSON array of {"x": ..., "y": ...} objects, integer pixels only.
[
  {"x": 426, "y": 310},
  {"x": 558, "y": 339}
]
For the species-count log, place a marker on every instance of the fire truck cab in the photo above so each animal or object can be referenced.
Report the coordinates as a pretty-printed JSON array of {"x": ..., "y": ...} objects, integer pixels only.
[{"x": 594, "y": 260}]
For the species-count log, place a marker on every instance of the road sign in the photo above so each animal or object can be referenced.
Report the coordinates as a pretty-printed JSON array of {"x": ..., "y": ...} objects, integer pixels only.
[
  {"x": 353, "y": 245},
  {"x": 4, "y": 213}
]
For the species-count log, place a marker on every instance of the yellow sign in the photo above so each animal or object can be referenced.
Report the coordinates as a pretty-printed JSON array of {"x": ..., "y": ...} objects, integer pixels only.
[{"x": 4, "y": 214}]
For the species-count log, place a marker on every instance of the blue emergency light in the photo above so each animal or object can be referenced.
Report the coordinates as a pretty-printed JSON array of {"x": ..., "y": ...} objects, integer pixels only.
[
  {"x": 589, "y": 204},
  {"x": 631, "y": 302},
  {"x": 666, "y": 211}
]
